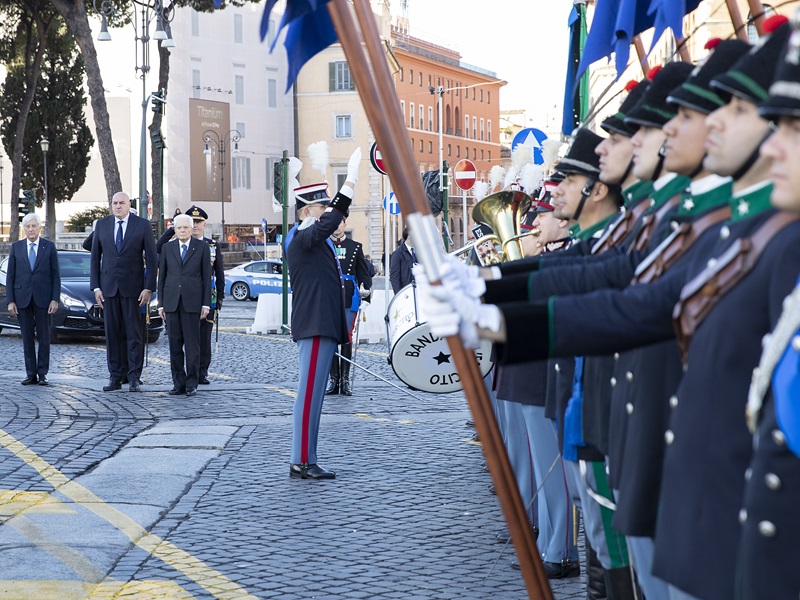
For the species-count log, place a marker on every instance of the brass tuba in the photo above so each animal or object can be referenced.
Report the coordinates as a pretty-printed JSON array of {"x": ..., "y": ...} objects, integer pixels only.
[{"x": 503, "y": 212}]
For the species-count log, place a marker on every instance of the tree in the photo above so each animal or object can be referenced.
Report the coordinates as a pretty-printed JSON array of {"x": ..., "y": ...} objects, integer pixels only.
[
  {"x": 80, "y": 221},
  {"x": 57, "y": 113}
]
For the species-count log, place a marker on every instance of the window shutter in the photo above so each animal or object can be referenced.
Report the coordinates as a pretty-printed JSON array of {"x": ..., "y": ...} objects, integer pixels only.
[{"x": 332, "y": 76}]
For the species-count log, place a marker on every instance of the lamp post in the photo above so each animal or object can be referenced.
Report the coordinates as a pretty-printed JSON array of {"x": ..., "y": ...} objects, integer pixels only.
[
  {"x": 2, "y": 221},
  {"x": 148, "y": 11},
  {"x": 439, "y": 91},
  {"x": 44, "y": 144},
  {"x": 221, "y": 143}
]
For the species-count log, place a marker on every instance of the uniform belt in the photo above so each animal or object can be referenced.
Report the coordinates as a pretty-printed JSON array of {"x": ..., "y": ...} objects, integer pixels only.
[
  {"x": 649, "y": 224},
  {"x": 620, "y": 228}
]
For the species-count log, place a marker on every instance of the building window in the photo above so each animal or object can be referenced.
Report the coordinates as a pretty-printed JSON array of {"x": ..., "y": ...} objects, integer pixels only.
[
  {"x": 271, "y": 32},
  {"x": 430, "y": 80},
  {"x": 272, "y": 93},
  {"x": 488, "y": 96},
  {"x": 473, "y": 93},
  {"x": 449, "y": 150},
  {"x": 421, "y": 117},
  {"x": 270, "y": 178},
  {"x": 403, "y": 109},
  {"x": 239, "y": 88},
  {"x": 474, "y": 154},
  {"x": 196, "y": 83},
  {"x": 430, "y": 147},
  {"x": 240, "y": 128},
  {"x": 402, "y": 71},
  {"x": 411, "y": 76},
  {"x": 420, "y": 79},
  {"x": 489, "y": 130},
  {"x": 195, "y": 23},
  {"x": 430, "y": 118},
  {"x": 344, "y": 126},
  {"x": 466, "y": 126},
  {"x": 240, "y": 172},
  {"x": 458, "y": 151},
  {"x": 421, "y": 146},
  {"x": 339, "y": 76},
  {"x": 237, "y": 29},
  {"x": 481, "y": 95},
  {"x": 481, "y": 129},
  {"x": 474, "y": 128},
  {"x": 412, "y": 116},
  {"x": 481, "y": 154},
  {"x": 490, "y": 155}
]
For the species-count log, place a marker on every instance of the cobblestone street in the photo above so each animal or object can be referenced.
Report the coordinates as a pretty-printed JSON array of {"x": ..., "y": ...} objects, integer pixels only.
[{"x": 108, "y": 495}]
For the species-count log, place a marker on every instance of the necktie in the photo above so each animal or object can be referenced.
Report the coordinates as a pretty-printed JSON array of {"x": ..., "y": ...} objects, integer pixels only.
[
  {"x": 32, "y": 255},
  {"x": 119, "y": 236},
  {"x": 414, "y": 256},
  {"x": 183, "y": 251}
]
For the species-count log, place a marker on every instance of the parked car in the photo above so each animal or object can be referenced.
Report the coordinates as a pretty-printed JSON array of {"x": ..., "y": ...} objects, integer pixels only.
[
  {"x": 249, "y": 280},
  {"x": 78, "y": 313}
]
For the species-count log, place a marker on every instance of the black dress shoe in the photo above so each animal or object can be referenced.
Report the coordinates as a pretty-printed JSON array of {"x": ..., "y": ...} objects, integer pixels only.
[
  {"x": 113, "y": 384},
  {"x": 502, "y": 536},
  {"x": 307, "y": 471},
  {"x": 333, "y": 386},
  {"x": 29, "y": 380},
  {"x": 470, "y": 423},
  {"x": 345, "y": 388},
  {"x": 204, "y": 381},
  {"x": 191, "y": 391},
  {"x": 43, "y": 380},
  {"x": 562, "y": 570},
  {"x": 177, "y": 391},
  {"x": 134, "y": 387}
]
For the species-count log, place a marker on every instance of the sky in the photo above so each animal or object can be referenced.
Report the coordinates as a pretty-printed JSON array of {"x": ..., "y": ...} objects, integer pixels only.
[{"x": 524, "y": 41}]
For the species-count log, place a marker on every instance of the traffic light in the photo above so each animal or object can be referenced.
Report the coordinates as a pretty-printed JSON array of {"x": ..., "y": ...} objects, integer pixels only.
[
  {"x": 277, "y": 182},
  {"x": 159, "y": 99},
  {"x": 157, "y": 140},
  {"x": 27, "y": 203}
]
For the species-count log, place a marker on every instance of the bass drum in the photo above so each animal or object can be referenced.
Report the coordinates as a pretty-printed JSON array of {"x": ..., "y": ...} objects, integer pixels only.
[{"x": 419, "y": 358}]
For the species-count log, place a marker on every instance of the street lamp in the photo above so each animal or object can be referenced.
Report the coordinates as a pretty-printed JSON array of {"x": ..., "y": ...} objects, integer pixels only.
[
  {"x": 439, "y": 91},
  {"x": 44, "y": 144},
  {"x": 221, "y": 143},
  {"x": 2, "y": 222},
  {"x": 149, "y": 10}
]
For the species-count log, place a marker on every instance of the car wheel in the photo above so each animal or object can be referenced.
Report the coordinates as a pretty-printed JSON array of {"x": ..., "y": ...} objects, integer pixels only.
[
  {"x": 240, "y": 291},
  {"x": 152, "y": 336}
]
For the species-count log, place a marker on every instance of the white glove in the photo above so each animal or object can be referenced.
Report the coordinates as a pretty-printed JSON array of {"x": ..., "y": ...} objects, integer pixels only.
[
  {"x": 435, "y": 310},
  {"x": 468, "y": 276},
  {"x": 353, "y": 164}
]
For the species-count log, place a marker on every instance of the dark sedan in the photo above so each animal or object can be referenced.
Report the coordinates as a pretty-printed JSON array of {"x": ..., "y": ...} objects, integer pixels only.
[{"x": 78, "y": 313}]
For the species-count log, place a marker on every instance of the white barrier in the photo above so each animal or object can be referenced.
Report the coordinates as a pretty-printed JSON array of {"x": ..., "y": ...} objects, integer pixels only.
[{"x": 371, "y": 329}]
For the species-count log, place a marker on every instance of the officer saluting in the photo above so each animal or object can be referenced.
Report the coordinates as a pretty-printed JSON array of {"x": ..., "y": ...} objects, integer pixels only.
[
  {"x": 199, "y": 217},
  {"x": 355, "y": 274}
]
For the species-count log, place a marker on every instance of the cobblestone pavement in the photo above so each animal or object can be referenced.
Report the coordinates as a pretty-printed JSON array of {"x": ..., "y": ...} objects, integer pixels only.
[{"x": 108, "y": 495}]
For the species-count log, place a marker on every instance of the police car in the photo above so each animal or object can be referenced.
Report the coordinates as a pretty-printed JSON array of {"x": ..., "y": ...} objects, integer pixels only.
[{"x": 249, "y": 280}]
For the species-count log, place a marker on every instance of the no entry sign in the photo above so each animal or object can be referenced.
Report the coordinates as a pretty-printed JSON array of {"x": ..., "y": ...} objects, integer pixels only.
[
  {"x": 376, "y": 159},
  {"x": 465, "y": 174}
]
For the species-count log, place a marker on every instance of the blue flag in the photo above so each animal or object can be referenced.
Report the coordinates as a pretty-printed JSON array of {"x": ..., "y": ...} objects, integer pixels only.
[
  {"x": 632, "y": 19},
  {"x": 669, "y": 14},
  {"x": 600, "y": 40}
]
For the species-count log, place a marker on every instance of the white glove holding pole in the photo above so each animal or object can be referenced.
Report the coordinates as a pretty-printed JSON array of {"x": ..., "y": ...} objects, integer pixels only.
[{"x": 353, "y": 164}]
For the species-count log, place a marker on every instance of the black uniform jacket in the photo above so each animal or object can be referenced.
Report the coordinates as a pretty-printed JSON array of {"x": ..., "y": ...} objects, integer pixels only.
[
  {"x": 352, "y": 262},
  {"x": 317, "y": 290}
]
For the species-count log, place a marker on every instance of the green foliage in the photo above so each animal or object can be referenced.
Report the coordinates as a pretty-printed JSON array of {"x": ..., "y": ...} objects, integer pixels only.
[
  {"x": 57, "y": 114},
  {"x": 79, "y": 221}
]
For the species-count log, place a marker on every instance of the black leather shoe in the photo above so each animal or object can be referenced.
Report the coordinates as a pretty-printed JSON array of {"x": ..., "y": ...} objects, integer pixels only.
[
  {"x": 204, "y": 381},
  {"x": 177, "y": 391},
  {"x": 307, "y": 471},
  {"x": 561, "y": 570},
  {"x": 345, "y": 388},
  {"x": 43, "y": 380},
  {"x": 191, "y": 391},
  {"x": 113, "y": 384},
  {"x": 134, "y": 387},
  {"x": 475, "y": 437},
  {"x": 333, "y": 386},
  {"x": 29, "y": 380}
]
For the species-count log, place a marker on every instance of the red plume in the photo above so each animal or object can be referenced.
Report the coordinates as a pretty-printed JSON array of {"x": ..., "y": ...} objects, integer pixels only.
[
  {"x": 652, "y": 72},
  {"x": 630, "y": 85},
  {"x": 712, "y": 43},
  {"x": 771, "y": 24}
]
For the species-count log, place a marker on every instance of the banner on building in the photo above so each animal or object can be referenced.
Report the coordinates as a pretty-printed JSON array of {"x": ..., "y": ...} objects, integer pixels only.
[{"x": 209, "y": 120}]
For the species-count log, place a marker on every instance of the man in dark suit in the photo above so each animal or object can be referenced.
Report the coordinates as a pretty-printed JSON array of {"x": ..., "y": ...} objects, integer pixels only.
[
  {"x": 33, "y": 286},
  {"x": 400, "y": 263},
  {"x": 184, "y": 297},
  {"x": 123, "y": 277}
]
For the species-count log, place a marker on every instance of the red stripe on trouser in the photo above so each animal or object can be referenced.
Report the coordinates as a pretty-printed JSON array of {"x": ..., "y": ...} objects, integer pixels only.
[{"x": 311, "y": 377}]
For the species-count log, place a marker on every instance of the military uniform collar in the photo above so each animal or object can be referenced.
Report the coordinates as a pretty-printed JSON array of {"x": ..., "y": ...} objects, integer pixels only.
[
  {"x": 584, "y": 234},
  {"x": 751, "y": 201},
  {"x": 637, "y": 191},
  {"x": 705, "y": 193},
  {"x": 663, "y": 180}
]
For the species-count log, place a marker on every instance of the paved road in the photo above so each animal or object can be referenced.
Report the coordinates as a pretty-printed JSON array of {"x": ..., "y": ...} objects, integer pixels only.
[{"x": 108, "y": 495}]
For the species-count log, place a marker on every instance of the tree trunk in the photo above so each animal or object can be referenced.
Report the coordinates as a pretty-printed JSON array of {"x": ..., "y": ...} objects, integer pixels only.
[
  {"x": 32, "y": 70},
  {"x": 156, "y": 154},
  {"x": 74, "y": 14}
]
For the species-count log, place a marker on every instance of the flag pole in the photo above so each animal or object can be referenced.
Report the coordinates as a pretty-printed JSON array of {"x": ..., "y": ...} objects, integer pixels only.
[
  {"x": 757, "y": 15},
  {"x": 736, "y": 19},
  {"x": 379, "y": 98}
]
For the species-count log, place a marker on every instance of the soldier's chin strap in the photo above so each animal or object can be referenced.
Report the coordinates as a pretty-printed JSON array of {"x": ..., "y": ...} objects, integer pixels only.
[
  {"x": 627, "y": 172},
  {"x": 585, "y": 193},
  {"x": 751, "y": 160},
  {"x": 662, "y": 153}
]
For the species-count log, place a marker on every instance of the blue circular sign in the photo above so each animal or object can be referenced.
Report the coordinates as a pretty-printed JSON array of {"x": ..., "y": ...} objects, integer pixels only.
[
  {"x": 391, "y": 204},
  {"x": 531, "y": 137}
]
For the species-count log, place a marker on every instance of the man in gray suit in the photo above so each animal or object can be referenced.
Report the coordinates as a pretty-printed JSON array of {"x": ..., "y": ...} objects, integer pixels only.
[
  {"x": 33, "y": 287},
  {"x": 123, "y": 277},
  {"x": 184, "y": 297}
]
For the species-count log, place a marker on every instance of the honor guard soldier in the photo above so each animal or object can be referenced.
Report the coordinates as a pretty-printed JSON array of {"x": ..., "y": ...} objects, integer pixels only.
[
  {"x": 355, "y": 273},
  {"x": 319, "y": 324},
  {"x": 199, "y": 218}
]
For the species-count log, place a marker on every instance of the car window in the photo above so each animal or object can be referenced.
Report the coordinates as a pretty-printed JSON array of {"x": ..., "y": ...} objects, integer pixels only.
[
  {"x": 250, "y": 268},
  {"x": 74, "y": 265},
  {"x": 277, "y": 268}
]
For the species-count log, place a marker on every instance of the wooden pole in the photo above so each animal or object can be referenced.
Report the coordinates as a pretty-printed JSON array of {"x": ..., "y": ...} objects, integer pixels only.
[
  {"x": 757, "y": 15},
  {"x": 381, "y": 104},
  {"x": 637, "y": 43},
  {"x": 736, "y": 19}
]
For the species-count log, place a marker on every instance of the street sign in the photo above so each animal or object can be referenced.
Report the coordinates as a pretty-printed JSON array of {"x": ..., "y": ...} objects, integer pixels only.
[
  {"x": 465, "y": 174},
  {"x": 391, "y": 204},
  {"x": 533, "y": 138},
  {"x": 264, "y": 225},
  {"x": 377, "y": 160}
]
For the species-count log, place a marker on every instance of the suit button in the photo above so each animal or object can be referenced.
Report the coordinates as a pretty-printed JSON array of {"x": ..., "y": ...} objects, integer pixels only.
[
  {"x": 629, "y": 408},
  {"x": 767, "y": 529},
  {"x": 778, "y": 437},
  {"x": 773, "y": 481},
  {"x": 673, "y": 225},
  {"x": 711, "y": 263},
  {"x": 629, "y": 376},
  {"x": 748, "y": 474},
  {"x": 557, "y": 368},
  {"x": 669, "y": 437},
  {"x": 616, "y": 355},
  {"x": 743, "y": 515},
  {"x": 613, "y": 382},
  {"x": 673, "y": 402},
  {"x": 725, "y": 233}
]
